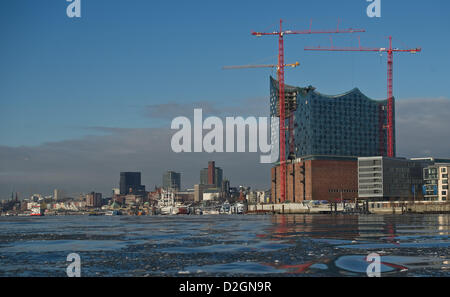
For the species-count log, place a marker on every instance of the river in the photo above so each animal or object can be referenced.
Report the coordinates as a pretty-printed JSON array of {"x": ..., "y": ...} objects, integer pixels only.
[{"x": 226, "y": 245}]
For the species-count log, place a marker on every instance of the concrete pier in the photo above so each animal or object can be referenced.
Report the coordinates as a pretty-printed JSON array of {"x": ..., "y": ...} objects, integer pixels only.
[
  {"x": 293, "y": 208},
  {"x": 370, "y": 207}
]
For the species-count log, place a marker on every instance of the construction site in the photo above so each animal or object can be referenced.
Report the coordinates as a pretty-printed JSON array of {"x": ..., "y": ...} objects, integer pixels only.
[{"x": 323, "y": 140}]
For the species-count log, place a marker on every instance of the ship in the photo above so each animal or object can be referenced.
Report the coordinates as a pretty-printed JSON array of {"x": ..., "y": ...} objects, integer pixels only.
[
  {"x": 113, "y": 213},
  {"x": 238, "y": 208},
  {"x": 168, "y": 206},
  {"x": 225, "y": 208},
  {"x": 37, "y": 211}
]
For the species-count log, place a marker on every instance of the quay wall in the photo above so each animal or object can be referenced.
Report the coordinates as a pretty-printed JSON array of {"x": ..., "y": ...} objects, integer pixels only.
[{"x": 374, "y": 208}]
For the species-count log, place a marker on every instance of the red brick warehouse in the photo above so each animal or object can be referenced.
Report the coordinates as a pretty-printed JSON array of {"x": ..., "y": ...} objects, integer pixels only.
[{"x": 317, "y": 178}]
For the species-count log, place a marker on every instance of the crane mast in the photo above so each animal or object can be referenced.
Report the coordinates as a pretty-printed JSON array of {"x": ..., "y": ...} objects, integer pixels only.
[{"x": 281, "y": 97}]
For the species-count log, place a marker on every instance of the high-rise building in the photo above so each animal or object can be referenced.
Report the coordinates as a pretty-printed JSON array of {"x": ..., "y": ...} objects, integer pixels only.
[
  {"x": 204, "y": 176},
  {"x": 58, "y": 194},
  {"x": 349, "y": 124},
  {"x": 172, "y": 180},
  {"x": 226, "y": 186},
  {"x": 218, "y": 177},
  {"x": 130, "y": 183},
  {"x": 94, "y": 199},
  {"x": 212, "y": 175},
  {"x": 211, "y": 172}
]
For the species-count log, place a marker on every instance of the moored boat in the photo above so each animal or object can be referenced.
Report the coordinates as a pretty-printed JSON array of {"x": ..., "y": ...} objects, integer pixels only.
[{"x": 37, "y": 211}]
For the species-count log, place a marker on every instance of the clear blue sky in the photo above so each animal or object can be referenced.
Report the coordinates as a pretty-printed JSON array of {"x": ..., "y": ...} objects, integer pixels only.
[{"x": 60, "y": 76}]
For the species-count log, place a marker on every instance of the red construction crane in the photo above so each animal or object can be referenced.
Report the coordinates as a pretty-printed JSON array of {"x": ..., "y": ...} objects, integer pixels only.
[
  {"x": 390, "y": 51},
  {"x": 280, "y": 74},
  {"x": 293, "y": 65}
]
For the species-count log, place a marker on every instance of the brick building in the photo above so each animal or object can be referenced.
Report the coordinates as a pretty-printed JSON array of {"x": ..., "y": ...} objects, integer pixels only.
[{"x": 317, "y": 178}]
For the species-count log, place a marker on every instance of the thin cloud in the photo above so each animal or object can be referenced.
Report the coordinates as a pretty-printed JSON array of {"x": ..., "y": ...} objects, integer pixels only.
[
  {"x": 93, "y": 163},
  {"x": 423, "y": 127}
]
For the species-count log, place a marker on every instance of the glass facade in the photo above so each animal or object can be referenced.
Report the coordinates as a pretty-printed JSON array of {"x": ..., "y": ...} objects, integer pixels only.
[
  {"x": 130, "y": 183},
  {"x": 172, "y": 180},
  {"x": 349, "y": 124},
  {"x": 384, "y": 178}
]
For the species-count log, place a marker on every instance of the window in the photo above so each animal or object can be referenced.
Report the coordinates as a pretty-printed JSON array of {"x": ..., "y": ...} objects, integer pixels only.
[
  {"x": 444, "y": 193},
  {"x": 444, "y": 170}
]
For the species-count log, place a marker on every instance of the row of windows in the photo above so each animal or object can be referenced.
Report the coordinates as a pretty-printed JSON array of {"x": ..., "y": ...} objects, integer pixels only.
[
  {"x": 370, "y": 169},
  {"x": 370, "y": 192},
  {"x": 364, "y": 175},
  {"x": 371, "y": 180},
  {"x": 370, "y": 163},
  {"x": 370, "y": 186},
  {"x": 342, "y": 191}
]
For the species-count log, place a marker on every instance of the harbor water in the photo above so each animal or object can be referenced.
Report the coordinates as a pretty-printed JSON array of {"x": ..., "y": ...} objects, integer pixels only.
[{"x": 226, "y": 245}]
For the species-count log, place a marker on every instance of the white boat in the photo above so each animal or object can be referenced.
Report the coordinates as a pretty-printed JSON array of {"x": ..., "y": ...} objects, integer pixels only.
[
  {"x": 37, "y": 211},
  {"x": 210, "y": 212},
  {"x": 166, "y": 202},
  {"x": 166, "y": 210},
  {"x": 225, "y": 208},
  {"x": 238, "y": 208},
  {"x": 112, "y": 213},
  {"x": 168, "y": 206}
]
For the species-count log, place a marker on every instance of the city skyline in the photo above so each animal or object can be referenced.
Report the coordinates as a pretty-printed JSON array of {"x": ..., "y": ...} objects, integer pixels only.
[{"x": 97, "y": 103}]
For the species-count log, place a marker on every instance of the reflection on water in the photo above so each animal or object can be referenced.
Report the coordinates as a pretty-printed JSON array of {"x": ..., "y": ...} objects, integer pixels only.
[{"x": 311, "y": 245}]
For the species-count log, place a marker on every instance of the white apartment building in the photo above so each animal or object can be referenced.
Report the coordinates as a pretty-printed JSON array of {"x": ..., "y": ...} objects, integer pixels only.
[{"x": 436, "y": 182}]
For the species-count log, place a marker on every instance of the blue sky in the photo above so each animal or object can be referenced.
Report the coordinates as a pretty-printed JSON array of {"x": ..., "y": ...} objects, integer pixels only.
[
  {"x": 61, "y": 76},
  {"x": 83, "y": 99}
]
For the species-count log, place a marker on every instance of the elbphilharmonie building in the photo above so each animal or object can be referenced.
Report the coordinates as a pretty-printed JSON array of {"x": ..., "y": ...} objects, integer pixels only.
[{"x": 349, "y": 124}]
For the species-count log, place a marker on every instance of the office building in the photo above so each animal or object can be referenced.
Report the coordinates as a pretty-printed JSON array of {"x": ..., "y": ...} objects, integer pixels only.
[
  {"x": 226, "y": 187},
  {"x": 130, "y": 183},
  {"x": 58, "y": 194},
  {"x": 212, "y": 175},
  {"x": 435, "y": 186},
  {"x": 199, "y": 190},
  {"x": 384, "y": 178},
  {"x": 211, "y": 172},
  {"x": 204, "y": 176},
  {"x": 94, "y": 199},
  {"x": 172, "y": 180}
]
